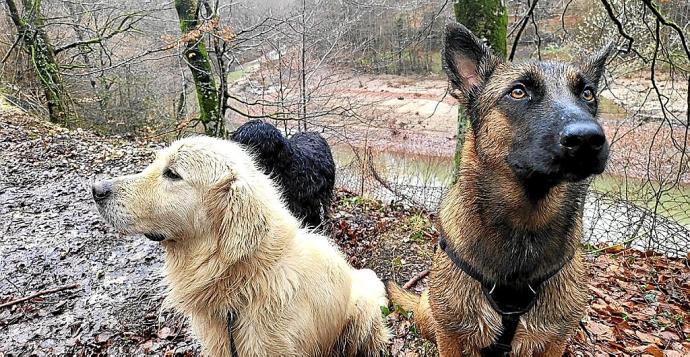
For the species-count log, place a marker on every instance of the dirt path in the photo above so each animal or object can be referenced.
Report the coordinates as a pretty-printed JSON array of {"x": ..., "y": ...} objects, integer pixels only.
[{"x": 52, "y": 235}]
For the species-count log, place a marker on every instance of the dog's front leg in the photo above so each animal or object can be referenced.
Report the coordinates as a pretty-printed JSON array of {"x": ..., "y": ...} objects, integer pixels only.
[
  {"x": 552, "y": 349},
  {"x": 450, "y": 345},
  {"x": 213, "y": 333}
]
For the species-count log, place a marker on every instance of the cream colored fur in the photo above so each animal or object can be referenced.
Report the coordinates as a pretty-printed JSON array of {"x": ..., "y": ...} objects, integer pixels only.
[{"x": 231, "y": 245}]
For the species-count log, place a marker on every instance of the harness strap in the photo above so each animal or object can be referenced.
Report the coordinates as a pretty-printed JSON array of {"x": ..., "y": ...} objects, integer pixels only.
[
  {"x": 503, "y": 344},
  {"x": 509, "y": 301},
  {"x": 231, "y": 325}
]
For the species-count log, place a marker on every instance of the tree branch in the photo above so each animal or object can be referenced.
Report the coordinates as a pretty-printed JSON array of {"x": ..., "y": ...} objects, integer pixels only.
[
  {"x": 671, "y": 24},
  {"x": 120, "y": 29},
  {"x": 619, "y": 25},
  {"x": 523, "y": 24},
  {"x": 43, "y": 292}
]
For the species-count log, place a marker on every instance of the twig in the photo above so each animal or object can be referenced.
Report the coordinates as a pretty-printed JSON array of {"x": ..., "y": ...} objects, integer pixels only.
[
  {"x": 670, "y": 24},
  {"x": 523, "y": 24},
  {"x": 415, "y": 279},
  {"x": 9, "y": 52},
  {"x": 584, "y": 328},
  {"x": 43, "y": 292},
  {"x": 619, "y": 25},
  {"x": 624, "y": 243},
  {"x": 387, "y": 185}
]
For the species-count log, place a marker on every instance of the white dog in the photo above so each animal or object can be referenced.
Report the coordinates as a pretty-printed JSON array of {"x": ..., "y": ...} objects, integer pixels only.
[{"x": 237, "y": 261}]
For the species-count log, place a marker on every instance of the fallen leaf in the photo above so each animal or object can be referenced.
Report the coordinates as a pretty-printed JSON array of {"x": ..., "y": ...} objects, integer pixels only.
[
  {"x": 146, "y": 346},
  {"x": 397, "y": 346},
  {"x": 617, "y": 248},
  {"x": 600, "y": 330},
  {"x": 103, "y": 337},
  {"x": 164, "y": 333},
  {"x": 648, "y": 338},
  {"x": 654, "y": 351},
  {"x": 670, "y": 336}
]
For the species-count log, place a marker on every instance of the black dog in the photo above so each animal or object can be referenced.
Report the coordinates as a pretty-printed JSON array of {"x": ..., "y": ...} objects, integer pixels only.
[{"x": 302, "y": 166}]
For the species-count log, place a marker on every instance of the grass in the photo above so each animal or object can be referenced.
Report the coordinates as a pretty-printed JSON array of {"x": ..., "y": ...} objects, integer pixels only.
[
  {"x": 361, "y": 201},
  {"x": 557, "y": 53},
  {"x": 235, "y": 75},
  {"x": 418, "y": 225},
  {"x": 420, "y": 169},
  {"x": 674, "y": 203},
  {"x": 608, "y": 106}
]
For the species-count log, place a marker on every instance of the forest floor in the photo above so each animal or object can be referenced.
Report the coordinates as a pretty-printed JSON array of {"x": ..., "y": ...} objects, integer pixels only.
[{"x": 52, "y": 236}]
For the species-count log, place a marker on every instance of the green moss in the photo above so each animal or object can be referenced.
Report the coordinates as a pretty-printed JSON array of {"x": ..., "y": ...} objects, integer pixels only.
[
  {"x": 487, "y": 19},
  {"x": 186, "y": 12},
  {"x": 463, "y": 125},
  {"x": 48, "y": 72},
  {"x": 202, "y": 71}
]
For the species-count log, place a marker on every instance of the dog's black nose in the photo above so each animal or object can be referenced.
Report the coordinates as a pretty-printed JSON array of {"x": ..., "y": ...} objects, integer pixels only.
[
  {"x": 102, "y": 190},
  {"x": 582, "y": 136}
]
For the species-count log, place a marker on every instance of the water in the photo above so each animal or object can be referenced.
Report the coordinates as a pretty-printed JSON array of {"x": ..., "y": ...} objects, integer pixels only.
[{"x": 616, "y": 212}]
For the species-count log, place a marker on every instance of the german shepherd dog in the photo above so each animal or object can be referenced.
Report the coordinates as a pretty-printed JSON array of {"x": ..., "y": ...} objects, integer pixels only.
[{"x": 509, "y": 277}]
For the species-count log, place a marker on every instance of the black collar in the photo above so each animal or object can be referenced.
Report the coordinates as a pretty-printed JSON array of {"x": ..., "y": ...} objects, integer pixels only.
[
  {"x": 231, "y": 317},
  {"x": 509, "y": 300}
]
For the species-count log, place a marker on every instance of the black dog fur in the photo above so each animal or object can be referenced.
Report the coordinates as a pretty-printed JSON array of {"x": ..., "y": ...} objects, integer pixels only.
[{"x": 302, "y": 166}]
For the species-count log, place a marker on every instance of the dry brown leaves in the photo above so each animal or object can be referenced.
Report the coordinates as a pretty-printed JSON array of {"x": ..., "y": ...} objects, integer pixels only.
[{"x": 639, "y": 305}]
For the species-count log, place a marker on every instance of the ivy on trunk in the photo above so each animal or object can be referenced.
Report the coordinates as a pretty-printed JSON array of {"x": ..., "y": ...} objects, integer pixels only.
[
  {"x": 42, "y": 55},
  {"x": 488, "y": 19},
  {"x": 200, "y": 65}
]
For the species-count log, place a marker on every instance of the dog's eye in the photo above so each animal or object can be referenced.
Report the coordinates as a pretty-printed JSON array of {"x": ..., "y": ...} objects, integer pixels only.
[
  {"x": 172, "y": 175},
  {"x": 588, "y": 95},
  {"x": 518, "y": 92}
]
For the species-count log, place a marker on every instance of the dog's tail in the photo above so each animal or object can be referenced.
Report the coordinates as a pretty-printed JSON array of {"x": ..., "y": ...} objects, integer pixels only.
[
  {"x": 398, "y": 296},
  {"x": 418, "y": 305}
]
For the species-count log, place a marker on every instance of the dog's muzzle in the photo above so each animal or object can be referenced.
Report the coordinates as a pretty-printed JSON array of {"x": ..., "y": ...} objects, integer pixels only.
[
  {"x": 584, "y": 149},
  {"x": 102, "y": 190}
]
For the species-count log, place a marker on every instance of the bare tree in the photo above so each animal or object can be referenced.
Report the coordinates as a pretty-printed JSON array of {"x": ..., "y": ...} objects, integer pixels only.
[{"x": 35, "y": 42}]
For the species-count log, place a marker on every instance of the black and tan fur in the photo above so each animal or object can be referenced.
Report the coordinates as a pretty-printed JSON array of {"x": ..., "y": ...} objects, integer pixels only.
[{"x": 516, "y": 210}]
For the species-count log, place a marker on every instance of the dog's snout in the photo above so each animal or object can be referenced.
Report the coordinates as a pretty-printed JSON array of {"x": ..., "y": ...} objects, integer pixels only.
[
  {"x": 102, "y": 190},
  {"x": 582, "y": 136}
]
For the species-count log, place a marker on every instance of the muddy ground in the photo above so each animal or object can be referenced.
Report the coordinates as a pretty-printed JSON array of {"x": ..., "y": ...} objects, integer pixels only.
[{"x": 51, "y": 236}]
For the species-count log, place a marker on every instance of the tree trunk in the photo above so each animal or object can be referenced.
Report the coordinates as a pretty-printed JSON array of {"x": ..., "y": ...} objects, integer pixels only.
[
  {"x": 303, "y": 69},
  {"x": 42, "y": 54},
  {"x": 488, "y": 19},
  {"x": 199, "y": 64}
]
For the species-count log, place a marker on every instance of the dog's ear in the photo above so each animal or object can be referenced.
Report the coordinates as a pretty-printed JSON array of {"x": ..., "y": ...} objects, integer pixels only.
[
  {"x": 593, "y": 66},
  {"x": 466, "y": 60},
  {"x": 237, "y": 222}
]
